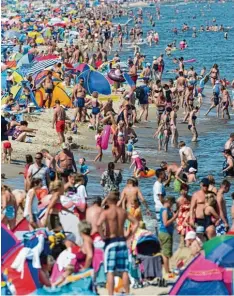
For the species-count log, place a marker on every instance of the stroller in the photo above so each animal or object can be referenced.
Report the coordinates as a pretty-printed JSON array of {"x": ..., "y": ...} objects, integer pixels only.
[{"x": 146, "y": 260}]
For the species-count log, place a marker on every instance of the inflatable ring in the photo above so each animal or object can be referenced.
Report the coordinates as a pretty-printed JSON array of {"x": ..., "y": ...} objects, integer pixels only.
[
  {"x": 114, "y": 77},
  {"x": 150, "y": 173}
]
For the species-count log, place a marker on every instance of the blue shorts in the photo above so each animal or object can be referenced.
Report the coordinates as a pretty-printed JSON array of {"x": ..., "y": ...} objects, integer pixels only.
[
  {"x": 116, "y": 255},
  {"x": 79, "y": 102}
]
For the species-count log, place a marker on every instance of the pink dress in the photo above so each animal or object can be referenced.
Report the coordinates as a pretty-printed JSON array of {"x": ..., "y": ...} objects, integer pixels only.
[
  {"x": 138, "y": 164},
  {"x": 98, "y": 140}
]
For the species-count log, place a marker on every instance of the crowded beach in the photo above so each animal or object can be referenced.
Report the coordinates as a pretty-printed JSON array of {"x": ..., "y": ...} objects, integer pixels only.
[{"x": 117, "y": 146}]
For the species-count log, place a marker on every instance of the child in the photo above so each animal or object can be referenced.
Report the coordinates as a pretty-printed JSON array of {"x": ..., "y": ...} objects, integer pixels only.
[
  {"x": 6, "y": 151},
  {"x": 31, "y": 205},
  {"x": 98, "y": 139},
  {"x": 167, "y": 217},
  {"x": 138, "y": 164},
  {"x": 63, "y": 280},
  {"x": 145, "y": 168},
  {"x": 130, "y": 148},
  {"x": 84, "y": 170},
  {"x": 192, "y": 175},
  {"x": 193, "y": 242}
]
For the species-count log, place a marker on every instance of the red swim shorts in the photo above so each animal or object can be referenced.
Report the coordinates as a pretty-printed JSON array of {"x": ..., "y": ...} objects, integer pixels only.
[
  {"x": 7, "y": 145},
  {"x": 60, "y": 126}
]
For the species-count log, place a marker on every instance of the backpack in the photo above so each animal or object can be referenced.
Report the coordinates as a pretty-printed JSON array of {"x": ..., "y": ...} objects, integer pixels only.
[{"x": 140, "y": 93}]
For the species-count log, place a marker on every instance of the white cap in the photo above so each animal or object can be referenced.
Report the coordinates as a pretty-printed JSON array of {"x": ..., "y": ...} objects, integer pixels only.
[
  {"x": 155, "y": 58},
  {"x": 135, "y": 154},
  {"x": 190, "y": 235},
  {"x": 192, "y": 170}
]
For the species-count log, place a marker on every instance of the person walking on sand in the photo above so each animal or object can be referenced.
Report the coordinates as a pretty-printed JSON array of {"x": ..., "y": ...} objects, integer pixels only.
[
  {"x": 116, "y": 250},
  {"x": 78, "y": 97},
  {"x": 59, "y": 121}
]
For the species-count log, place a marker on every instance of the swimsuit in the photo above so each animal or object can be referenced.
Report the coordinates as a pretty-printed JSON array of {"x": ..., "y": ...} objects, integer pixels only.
[
  {"x": 80, "y": 102},
  {"x": 9, "y": 212}
]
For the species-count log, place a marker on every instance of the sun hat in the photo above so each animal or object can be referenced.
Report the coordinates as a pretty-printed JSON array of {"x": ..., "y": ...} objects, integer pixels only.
[{"x": 190, "y": 235}]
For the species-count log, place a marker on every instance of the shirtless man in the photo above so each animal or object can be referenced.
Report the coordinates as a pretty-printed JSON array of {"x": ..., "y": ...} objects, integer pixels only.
[
  {"x": 76, "y": 55},
  {"x": 65, "y": 162},
  {"x": 198, "y": 204},
  {"x": 222, "y": 209},
  {"x": 59, "y": 121},
  {"x": 130, "y": 197},
  {"x": 116, "y": 251},
  {"x": 132, "y": 71},
  {"x": 50, "y": 163},
  {"x": 92, "y": 215},
  {"x": 181, "y": 85},
  {"x": 49, "y": 87},
  {"x": 171, "y": 171},
  {"x": 226, "y": 100},
  {"x": 108, "y": 107},
  {"x": 78, "y": 96}
]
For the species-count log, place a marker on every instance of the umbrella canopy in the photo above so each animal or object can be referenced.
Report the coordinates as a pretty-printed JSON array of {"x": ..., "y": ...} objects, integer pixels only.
[
  {"x": 15, "y": 57},
  {"x": 220, "y": 250},
  {"x": 95, "y": 81},
  {"x": 25, "y": 60},
  {"x": 16, "y": 76},
  {"x": 46, "y": 58},
  {"x": 37, "y": 67},
  {"x": 82, "y": 67},
  {"x": 11, "y": 34}
]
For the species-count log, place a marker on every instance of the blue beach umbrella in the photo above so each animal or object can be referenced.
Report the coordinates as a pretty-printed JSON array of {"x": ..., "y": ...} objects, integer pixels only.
[
  {"x": 25, "y": 60},
  {"x": 12, "y": 34}
]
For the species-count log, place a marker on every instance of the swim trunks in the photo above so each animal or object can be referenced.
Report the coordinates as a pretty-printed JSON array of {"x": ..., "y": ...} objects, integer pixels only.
[
  {"x": 7, "y": 145},
  {"x": 116, "y": 255},
  {"x": 48, "y": 90},
  {"x": 60, "y": 126},
  {"x": 80, "y": 103}
]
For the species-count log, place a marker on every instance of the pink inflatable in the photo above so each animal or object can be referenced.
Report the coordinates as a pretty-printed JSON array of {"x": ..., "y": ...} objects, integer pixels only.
[
  {"x": 106, "y": 136},
  {"x": 190, "y": 61}
]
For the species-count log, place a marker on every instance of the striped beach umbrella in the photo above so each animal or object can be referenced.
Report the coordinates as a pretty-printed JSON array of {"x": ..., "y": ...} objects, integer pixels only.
[{"x": 40, "y": 66}]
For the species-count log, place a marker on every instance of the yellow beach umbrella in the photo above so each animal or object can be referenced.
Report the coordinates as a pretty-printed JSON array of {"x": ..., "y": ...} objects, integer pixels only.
[{"x": 40, "y": 40}]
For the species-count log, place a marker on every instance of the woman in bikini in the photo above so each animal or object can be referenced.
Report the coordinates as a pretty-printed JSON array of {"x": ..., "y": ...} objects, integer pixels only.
[
  {"x": 192, "y": 123},
  {"x": 214, "y": 74}
]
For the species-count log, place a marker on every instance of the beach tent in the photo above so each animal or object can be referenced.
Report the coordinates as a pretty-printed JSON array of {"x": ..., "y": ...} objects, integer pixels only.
[
  {"x": 203, "y": 277},
  {"x": 59, "y": 93},
  {"x": 25, "y": 60},
  {"x": 95, "y": 81},
  {"x": 16, "y": 75},
  {"x": 8, "y": 239},
  {"x": 18, "y": 94}
]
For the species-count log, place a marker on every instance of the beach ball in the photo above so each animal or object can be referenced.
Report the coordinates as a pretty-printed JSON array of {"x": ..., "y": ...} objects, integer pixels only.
[{"x": 118, "y": 284}]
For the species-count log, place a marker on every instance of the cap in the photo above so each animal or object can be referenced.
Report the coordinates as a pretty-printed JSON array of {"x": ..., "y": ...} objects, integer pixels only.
[
  {"x": 192, "y": 170},
  {"x": 190, "y": 235},
  {"x": 64, "y": 146},
  {"x": 155, "y": 58},
  {"x": 127, "y": 97},
  {"x": 148, "y": 64},
  {"x": 205, "y": 182},
  {"x": 135, "y": 154}
]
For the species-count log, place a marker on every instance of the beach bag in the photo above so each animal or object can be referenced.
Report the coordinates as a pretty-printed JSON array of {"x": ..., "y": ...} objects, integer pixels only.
[{"x": 140, "y": 93}]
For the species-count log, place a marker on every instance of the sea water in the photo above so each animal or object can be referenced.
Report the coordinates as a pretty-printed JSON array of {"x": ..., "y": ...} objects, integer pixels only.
[{"x": 208, "y": 48}]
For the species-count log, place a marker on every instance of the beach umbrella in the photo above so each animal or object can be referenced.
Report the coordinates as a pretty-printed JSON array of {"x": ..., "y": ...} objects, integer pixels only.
[
  {"x": 15, "y": 57},
  {"x": 34, "y": 34},
  {"x": 203, "y": 277},
  {"x": 82, "y": 67},
  {"x": 46, "y": 58},
  {"x": 220, "y": 250},
  {"x": 95, "y": 81},
  {"x": 37, "y": 67},
  {"x": 25, "y": 48},
  {"x": 11, "y": 34},
  {"x": 38, "y": 79},
  {"x": 40, "y": 40},
  {"x": 16, "y": 76},
  {"x": 25, "y": 60}
]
